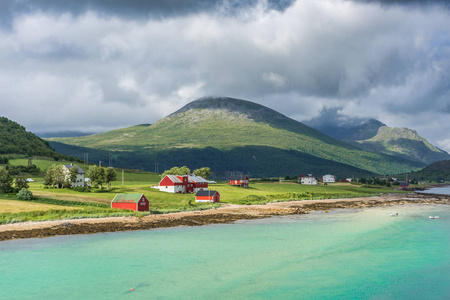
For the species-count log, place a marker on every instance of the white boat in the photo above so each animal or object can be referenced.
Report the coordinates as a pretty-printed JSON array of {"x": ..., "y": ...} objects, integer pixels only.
[
  {"x": 433, "y": 217},
  {"x": 393, "y": 215}
]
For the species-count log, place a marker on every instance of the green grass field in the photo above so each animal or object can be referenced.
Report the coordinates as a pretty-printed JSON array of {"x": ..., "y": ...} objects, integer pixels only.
[{"x": 75, "y": 204}]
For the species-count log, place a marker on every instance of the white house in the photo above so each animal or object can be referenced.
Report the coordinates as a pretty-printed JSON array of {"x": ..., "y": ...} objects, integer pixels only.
[
  {"x": 328, "y": 178},
  {"x": 308, "y": 179},
  {"x": 80, "y": 175}
]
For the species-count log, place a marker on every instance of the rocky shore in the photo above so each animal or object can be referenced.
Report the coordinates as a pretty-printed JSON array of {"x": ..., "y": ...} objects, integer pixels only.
[{"x": 224, "y": 214}]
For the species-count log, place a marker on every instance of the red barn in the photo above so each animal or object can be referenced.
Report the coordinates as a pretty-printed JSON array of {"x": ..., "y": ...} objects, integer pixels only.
[
  {"x": 182, "y": 184},
  {"x": 136, "y": 202},
  {"x": 239, "y": 180},
  {"x": 200, "y": 183},
  {"x": 207, "y": 196}
]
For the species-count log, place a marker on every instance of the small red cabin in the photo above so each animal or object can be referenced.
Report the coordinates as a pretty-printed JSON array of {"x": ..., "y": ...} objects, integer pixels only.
[
  {"x": 207, "y": 196},
  {"x": 239, "y": 180},
  {"x": 137, "y": 202}
]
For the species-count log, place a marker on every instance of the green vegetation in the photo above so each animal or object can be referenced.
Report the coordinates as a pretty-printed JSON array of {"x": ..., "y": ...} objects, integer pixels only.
[
  {"x": 177, "y": 171},
  {"x": 15, "y": 139},
  {"x": 232, "y": 135},
  {"x": 438, "y": 172},
  {"x": 24, "y": 194},
  {"x": 405, "y": 143},
  {"x": 204, "y": 172},
  {"x": 96, "y": 202}
]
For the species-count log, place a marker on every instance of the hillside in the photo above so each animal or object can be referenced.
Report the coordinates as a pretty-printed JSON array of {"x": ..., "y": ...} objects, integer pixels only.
[
  {"x": 372, "y": 135},
  {"x": 436, "y": 172},
  {"x": 14, "y": 139},
  {"x": 404, "y": 142},
  {"x": 227, "y": 124},
  {"x": 351, "y": 132}
]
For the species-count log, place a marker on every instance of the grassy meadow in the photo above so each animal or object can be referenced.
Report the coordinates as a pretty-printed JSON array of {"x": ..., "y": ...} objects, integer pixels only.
[{"x": 51, "y": 204}]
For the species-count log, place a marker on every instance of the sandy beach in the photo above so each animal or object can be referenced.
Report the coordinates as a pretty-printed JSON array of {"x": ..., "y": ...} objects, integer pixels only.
[{"x": 225, "y": 214}]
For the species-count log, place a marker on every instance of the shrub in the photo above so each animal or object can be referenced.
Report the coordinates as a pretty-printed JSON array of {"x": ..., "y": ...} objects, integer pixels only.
[
  {"x": 24, "y": 194},
  {"x": 82, "y": 189}
]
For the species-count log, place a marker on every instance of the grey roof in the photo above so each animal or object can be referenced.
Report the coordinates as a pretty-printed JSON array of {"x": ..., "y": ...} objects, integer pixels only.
[
  {"x": 80, "y": 170},
  {"x": 206, "y": 193},
  {"x": 197, "y": 178},
  {"x": 174, "y": 179}
]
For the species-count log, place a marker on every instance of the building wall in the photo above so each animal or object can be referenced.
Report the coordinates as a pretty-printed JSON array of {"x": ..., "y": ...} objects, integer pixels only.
[
  {"x": 172, "y": 188},
  {"x": 131, "y": 206},
  {"x": 309, "y": 180},
  {"x": 329, "y": 178}
]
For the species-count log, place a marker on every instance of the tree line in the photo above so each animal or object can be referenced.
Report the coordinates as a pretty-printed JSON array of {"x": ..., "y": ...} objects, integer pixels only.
[
  {"x": 204, "y": 172},
  {"x": 58, "y": 176}
]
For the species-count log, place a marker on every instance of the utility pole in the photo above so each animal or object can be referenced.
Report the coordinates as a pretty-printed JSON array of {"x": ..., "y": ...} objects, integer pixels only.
[{"x": 122, "y": 177}]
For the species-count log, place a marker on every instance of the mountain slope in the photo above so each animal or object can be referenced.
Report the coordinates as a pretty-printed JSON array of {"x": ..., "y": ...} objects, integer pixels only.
[
  {"x": 404, "y": 142},
  {"x": 14, "y": 139},
  {"x": 350, "y": 132},
  {"x": 438, "y": 171},
  {"x": 226, "y": 124}
]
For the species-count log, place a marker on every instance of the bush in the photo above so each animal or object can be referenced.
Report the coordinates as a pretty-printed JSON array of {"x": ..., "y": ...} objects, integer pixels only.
[
  {"x": 24, "y": 194},
  {"x": 82, "y": 189}
]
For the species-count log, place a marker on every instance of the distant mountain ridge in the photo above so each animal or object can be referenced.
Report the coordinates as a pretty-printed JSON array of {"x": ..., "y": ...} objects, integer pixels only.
[
  {"x": 375, "y": 136},
  {"x": 222, "y": 125},
  {"x": 404, "y": 142}
]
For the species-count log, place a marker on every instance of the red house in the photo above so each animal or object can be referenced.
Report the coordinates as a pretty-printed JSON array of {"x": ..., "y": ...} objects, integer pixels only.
[
  {"x": 207, "y": 196},
  {"x": 136, "y": 202},
  {"x": 182, "y": 184},
  {"x": 239, "y": 180},
  {"x": 200, "y": 183}
]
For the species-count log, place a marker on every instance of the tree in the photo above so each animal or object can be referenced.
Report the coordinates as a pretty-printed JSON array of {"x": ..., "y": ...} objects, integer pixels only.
[
  {"x": 96, "y": 175},
  {"x": 21, "y": 183},
  {"x": 110, "y": 175},
  {"x": 73, "y": 174},
  {"x": 55, "y": 176},
  {"x": 6, "y": 180},
  {"x": 204, "y": 172},
  {"x": 177, "y": 171},
  {"x": 101, "y": 176}
]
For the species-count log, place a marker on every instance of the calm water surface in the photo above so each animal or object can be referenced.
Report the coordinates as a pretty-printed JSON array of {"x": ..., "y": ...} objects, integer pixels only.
[
  {"x": 345, "y": 254},
  {"x": 439, "y": 190}
]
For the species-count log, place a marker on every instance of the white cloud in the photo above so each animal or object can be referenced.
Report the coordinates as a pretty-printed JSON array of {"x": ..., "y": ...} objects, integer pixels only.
[{"x": 389, "y": 62}]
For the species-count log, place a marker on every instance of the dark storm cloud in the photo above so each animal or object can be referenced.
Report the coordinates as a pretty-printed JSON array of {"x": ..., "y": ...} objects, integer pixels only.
[
  {"x": 128, "y": 9},
  {"x": 331, "y": 116},
  {"x": 406, "y": 2},
  {"x": 119, "y": 63}
]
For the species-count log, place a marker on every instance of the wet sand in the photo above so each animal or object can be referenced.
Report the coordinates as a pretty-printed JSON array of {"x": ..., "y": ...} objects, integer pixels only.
[{"x": 225, "y": 214}]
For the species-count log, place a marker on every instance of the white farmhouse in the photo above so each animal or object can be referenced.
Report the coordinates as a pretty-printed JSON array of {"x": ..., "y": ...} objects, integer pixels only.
[
  {"x": 328, "y": 178},
  {"x": 80, "y": 176},
  {"x": 308, "y": 179}
]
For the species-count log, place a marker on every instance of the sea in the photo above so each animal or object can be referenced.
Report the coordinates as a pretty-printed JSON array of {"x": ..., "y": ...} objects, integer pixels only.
[{"x": 391, "y": 252}]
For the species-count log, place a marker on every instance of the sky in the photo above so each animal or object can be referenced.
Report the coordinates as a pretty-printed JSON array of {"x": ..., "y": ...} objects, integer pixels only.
[{"x": 97, "y": 65}]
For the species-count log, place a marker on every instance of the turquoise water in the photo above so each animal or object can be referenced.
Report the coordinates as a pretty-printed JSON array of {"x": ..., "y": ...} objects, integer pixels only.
[
  {"x": 345, "y": 254},
  {"x": 438, "y": 190}
]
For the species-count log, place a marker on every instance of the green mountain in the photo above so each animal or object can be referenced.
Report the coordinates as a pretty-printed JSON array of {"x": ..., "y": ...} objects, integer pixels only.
[
  {"x": 436, "y": 172},
  {"x": 405, "y": 143},
  {"x": 14, "y": 139},
  {"x": 350, "y": 132},
  {"x": 219, "y": 132}
]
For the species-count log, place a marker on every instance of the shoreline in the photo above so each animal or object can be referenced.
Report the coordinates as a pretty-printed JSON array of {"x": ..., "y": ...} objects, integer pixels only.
[{"x": 226, "y": 214}]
